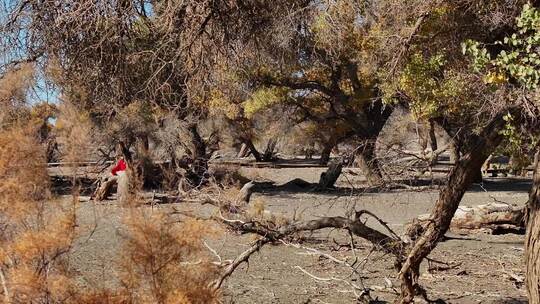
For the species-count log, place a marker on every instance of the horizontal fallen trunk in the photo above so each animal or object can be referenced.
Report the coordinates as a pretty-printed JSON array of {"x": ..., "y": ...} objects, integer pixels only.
[
  {"x": 387, "y": 243},
  {"x": 490, "y": 215},
  {"x": 487, "y": 215}
]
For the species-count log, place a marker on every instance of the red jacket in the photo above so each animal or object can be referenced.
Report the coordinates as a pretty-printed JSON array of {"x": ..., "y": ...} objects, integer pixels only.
[{"x": 121, "y": 166}]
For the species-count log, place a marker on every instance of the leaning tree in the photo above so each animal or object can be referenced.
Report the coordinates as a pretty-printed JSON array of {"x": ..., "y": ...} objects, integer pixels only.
[
  {"x": 438, "y": 81},
  {"x": 516, "y": 63}
]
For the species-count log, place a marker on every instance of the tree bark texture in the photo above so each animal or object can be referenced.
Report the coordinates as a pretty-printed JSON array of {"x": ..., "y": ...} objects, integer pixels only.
[
  {"x": 325, "y": 154},
  {"x": 432, "y": 136},
  {"x": 460, "y": 178},
  {"x": 244, "y": 151},
  {"x": 367, "y": 161},
  {"x": 376, "y": 116},
  {"x": 532, "y": 238},
  {"x": 253, "y": 150},
  {"x": 329, "y": 178},
  {"x": 268, "y": 154}
]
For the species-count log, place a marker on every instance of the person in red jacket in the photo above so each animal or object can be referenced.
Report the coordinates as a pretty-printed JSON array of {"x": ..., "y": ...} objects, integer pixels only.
[{"x": 120, "y": 166}]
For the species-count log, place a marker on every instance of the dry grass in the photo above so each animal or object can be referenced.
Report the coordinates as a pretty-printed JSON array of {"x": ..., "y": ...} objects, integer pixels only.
[
  {"x": 37, "y": 230},
  {"x": 161, "y": 261},
  {"x": 164, "y": 262}
]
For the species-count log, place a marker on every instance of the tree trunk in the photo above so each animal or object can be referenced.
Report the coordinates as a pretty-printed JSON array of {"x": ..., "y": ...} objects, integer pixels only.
[
  {"x": 454, "y": 152},
  {"x": 245, "y": 193},
  {"x": 184, "y": 182},
  {"x": 421, "y": 134},
  {"x": 449, "y": 140},
  {"x": 143, "y": 146},
  {"x": 253, "y": 150},
  {"x": 482, "y": 216},
  {"x": 149, "y": 174},
  {"x": 199, "y": 146},
  {"x": 325, "y": 154},
  {"x": 432, "y": 136},
  {"x": 244, "y": 151},
  {"x": 269, "y": 150},
  {"x": 329, "y": 178},
  {"x": 460, "y": 178},
  {"x": 104, "y": 188},
  {"x": 199, "y": 165},
  {"x": 478, "y": 178},
  {"x": 532, "y": 238},
  {"x": 376, "y": 115},
  {"x": 52, "y": 149},
  {"x": 367, "y": 161},
  {"x": 309, "y": 151}
]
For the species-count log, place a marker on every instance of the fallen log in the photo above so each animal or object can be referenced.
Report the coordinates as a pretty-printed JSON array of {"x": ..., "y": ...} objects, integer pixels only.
[
  {"x": 105, "y": 187},
  {"x": 495, "y": 216},
  {"x": 245, "y": 193}
]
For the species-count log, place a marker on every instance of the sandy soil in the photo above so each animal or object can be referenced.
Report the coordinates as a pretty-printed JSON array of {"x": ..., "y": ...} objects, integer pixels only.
[{"x": 488, "y": 268}]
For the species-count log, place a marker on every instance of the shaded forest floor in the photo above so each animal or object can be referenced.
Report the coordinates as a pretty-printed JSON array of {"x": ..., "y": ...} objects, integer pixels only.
[{"x": 484, "y": 268}]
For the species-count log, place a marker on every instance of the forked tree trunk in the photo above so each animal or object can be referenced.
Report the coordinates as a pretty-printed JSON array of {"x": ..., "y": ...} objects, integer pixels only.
[
  {"x": 269, "y": 150},
  {"x": 244, "y": 151},
  {"x": 253, "y": 150},
  {"x": 378, "y": 113},
  {"x": 453, "y": 148},
  {"x": 367, "y": 161},
  {"x": 532, "y": 238},
  {"x": 460, "y": 178}
]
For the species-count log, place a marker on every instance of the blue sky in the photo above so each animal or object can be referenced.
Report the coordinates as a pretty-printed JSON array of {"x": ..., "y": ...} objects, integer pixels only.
[{"x": 43, "y": 91}]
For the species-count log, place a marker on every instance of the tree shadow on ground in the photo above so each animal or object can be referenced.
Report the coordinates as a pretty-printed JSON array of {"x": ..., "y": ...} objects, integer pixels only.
[
  {"x": 64, "y": 185},
  {"x": 520, "y": 300},
  {"x": 507, "y": 184},
  {"x": 298, "y": 186}
]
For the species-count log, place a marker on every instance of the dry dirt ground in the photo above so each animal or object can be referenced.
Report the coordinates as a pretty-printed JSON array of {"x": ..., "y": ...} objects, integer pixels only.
[{"x": 485, "y": 268}]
